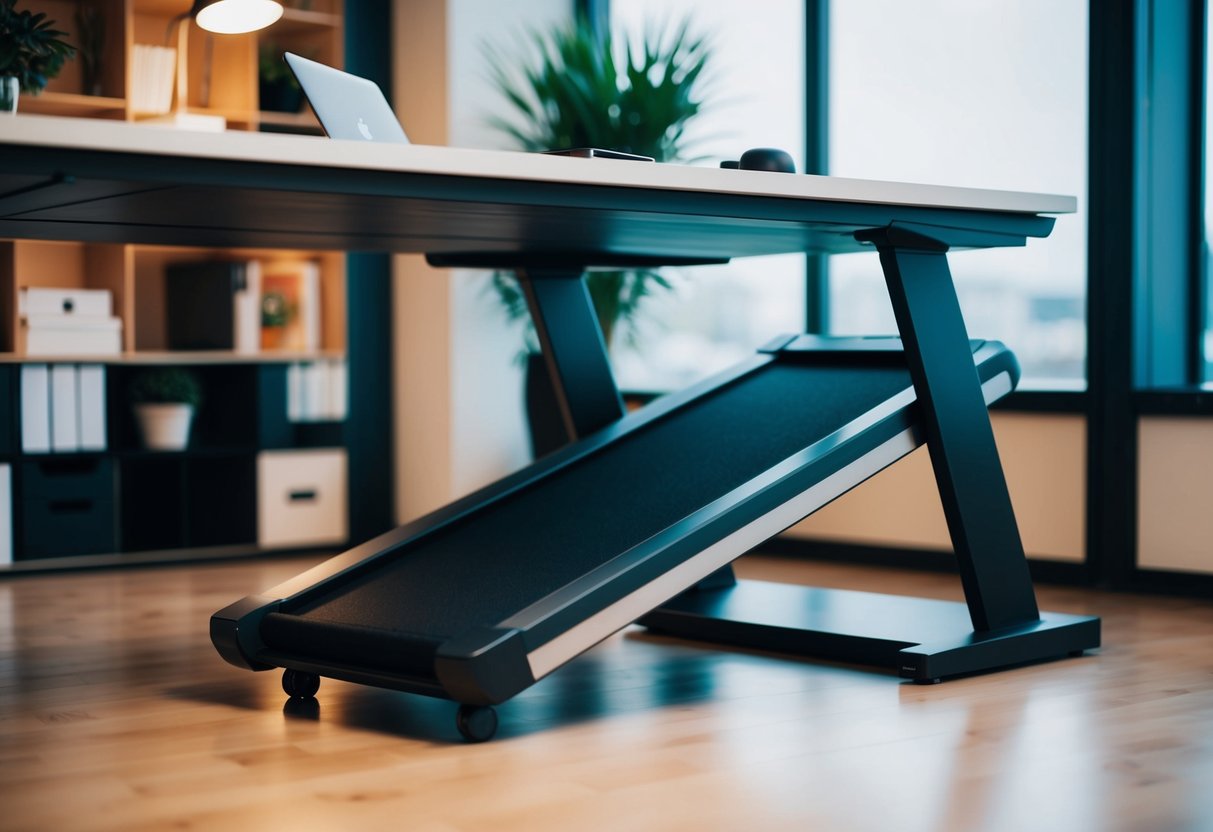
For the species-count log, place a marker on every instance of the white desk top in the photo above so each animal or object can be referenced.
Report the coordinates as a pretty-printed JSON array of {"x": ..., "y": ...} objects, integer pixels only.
[{"x": 267, "y": 148}]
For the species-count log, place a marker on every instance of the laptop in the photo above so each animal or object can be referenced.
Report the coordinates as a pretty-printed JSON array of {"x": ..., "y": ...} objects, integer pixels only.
[{"x": 347, "y": 106}]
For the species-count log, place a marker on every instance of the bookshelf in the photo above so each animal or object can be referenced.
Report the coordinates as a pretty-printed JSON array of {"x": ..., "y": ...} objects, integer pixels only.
[
  {"x": 126, "y": 504},
  {"x": 223, "y": 69}
]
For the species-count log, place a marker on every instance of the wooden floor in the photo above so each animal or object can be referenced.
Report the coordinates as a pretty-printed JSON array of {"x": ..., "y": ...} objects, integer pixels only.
[{"x": 116, "y": 714}]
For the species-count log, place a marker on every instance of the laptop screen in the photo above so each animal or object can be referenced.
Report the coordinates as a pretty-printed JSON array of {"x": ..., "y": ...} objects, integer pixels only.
[{"x": 348, "y": 107}]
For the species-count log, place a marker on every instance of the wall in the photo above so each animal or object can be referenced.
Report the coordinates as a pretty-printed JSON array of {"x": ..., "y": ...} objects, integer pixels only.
[
  {"x": 1044, "y": 457},
  {"x": 458, "y": 387},
  {"x": 1175, "y": 486}
]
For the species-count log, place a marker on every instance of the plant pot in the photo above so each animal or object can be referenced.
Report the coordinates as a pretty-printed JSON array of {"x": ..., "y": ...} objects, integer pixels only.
[
  {"x": 10, "y": 91},
  {"x": 165, "y": 427}
]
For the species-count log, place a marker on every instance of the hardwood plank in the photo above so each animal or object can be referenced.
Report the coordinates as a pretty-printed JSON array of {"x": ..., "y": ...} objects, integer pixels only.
[{"x": 116, "y": 714}]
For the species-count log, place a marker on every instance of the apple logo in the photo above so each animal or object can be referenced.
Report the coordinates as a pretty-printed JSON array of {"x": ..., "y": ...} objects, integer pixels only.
[{"x": 365, "y": 131}]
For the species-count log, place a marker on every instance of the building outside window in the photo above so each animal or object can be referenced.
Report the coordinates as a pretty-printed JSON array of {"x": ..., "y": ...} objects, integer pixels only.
[
  {"x": 977, "y": 94},
  {"x": 718, "y": 315},
  {"x": 955, "y": 92}
]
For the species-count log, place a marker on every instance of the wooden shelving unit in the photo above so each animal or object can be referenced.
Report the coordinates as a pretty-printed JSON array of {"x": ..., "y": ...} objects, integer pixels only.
[
  {"x": 223, "y": 69},
  {"x": 200, "y": 503}
]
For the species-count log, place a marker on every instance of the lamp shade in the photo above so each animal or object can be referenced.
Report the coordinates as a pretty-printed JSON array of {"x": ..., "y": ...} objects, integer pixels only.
[{"x": 235, "y": 17}]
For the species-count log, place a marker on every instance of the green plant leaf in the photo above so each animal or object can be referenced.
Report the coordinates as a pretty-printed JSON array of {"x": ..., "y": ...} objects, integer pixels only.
[{"x": 578, "y": 88}]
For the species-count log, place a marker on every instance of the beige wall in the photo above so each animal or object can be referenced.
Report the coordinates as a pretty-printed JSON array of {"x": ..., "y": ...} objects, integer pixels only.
[
  {"x": 458, "y": 388},
  {"x": 1044, "y": 456},
  {"x": 1175, "y": 493}
]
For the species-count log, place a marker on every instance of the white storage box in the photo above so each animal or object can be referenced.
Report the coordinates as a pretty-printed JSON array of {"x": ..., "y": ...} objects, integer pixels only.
[
  {"x": 301, "y": 498},
  {"x": 36, "y": 302}
]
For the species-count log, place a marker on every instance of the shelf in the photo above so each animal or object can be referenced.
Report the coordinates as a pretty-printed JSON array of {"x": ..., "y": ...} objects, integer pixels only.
[
  {"x": 199, "y": 503},
  {"x": 193, "y": 358},
  {"x": 300, "y": 121},
  {"x": 187, "y": 453},
  {"x": 71, "y": 104},
  {"x": 295, "y": 20},
  {"x": 147, "y": 558}
]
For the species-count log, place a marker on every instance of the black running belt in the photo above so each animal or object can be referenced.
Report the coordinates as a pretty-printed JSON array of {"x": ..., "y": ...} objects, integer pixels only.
[{"x": 508, "y": 555}]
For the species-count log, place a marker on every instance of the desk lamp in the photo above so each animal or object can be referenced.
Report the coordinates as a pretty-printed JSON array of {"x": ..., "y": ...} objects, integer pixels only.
[{"x": 224, "y": 17}]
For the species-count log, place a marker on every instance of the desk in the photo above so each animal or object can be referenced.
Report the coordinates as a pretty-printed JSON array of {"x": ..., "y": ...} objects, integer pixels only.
[{"x": 550, "y": 218}]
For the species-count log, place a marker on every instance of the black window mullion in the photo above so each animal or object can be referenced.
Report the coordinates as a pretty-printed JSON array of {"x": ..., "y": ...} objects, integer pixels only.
[{"x": 816, "y": 154}]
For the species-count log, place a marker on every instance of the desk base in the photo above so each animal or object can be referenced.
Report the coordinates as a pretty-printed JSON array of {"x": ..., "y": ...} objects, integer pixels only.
[{"x": 920, "y": 638}]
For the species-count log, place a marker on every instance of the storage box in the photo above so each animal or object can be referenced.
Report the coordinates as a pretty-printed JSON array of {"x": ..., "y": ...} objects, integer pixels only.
[
  {"x": 76, "y": 526},
  {"x": 301, "y": 498},
  {"x": 68, "y": 507},
  {"x": 36, "y": 302}
]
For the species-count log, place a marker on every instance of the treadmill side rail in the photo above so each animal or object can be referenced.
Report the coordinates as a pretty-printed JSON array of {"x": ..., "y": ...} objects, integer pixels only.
[
  {"x": 485, "y": 666},
  {"x": 236, "y": 631}
]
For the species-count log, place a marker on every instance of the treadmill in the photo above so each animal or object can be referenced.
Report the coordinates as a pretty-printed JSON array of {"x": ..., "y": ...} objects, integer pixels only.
[
  {"x": 481, "y": 599},
  {"x": 638, "y": 519}
]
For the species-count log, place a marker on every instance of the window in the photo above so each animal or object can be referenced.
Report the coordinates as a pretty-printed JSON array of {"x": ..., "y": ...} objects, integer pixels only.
[
  {"x": 1206, "y": 259},
  {"x": 718, "y": 315},
  {"x": 979, "y": 94}
]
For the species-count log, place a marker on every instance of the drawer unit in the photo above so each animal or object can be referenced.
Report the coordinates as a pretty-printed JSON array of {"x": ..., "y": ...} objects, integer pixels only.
[
  {"x": 80, "y": 526},
  {"x": 68, "y": 478},
  {"x": 67, "y": 507},
  {"x": 301, "y": 498}
]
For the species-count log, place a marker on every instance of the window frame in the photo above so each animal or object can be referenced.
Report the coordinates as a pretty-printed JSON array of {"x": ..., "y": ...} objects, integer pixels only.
[{"x": 1145, "y": 259}]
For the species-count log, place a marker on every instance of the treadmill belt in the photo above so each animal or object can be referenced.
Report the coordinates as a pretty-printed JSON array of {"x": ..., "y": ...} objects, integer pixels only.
[{"x": 483, "y": 569}]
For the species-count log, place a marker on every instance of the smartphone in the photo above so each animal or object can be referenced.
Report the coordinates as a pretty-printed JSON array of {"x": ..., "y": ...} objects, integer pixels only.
[{"x": 598, "y": 153}]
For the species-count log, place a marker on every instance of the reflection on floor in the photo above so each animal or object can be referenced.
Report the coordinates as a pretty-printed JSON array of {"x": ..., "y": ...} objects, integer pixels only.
[{"x": 115, "y": 713}]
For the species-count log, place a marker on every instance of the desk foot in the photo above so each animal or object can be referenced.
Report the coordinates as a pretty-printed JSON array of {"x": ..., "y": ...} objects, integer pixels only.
[{"x": 921, "y": 639}]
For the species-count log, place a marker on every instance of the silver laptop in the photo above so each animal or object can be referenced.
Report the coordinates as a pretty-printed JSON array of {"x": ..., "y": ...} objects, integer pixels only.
[{"x": 348, "y": 107}]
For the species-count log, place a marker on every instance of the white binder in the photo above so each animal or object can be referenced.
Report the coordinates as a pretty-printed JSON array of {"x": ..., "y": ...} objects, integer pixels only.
[
  {"x": 6, "y": 514},
  {"x": 65, "y": 414},
  {"x": 91, "y": 401},
  {"x": 35, "y": 409}
]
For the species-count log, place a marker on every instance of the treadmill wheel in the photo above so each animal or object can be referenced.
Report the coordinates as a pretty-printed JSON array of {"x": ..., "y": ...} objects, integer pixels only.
[
  {"x": 476, "y": 723},
  {"x": 299, "y": 684}
]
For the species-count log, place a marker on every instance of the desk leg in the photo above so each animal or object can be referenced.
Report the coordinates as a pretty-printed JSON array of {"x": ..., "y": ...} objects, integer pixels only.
[
  {"x": 577, "y": 361},
  {"x": 976, "y": 504},
  {"x": 573, "y": 349},
  {"x": 921, "y": 639}
]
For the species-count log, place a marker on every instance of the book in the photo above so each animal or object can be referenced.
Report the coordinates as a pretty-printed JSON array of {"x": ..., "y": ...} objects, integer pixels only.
[
  {"x": 213, "y": 305},
  {"x": 290, "y": 305},
  {"x": 155, "y": 68}
]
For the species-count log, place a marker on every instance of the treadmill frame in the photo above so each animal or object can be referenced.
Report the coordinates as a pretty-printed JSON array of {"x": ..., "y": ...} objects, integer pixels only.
[
  {"x": 491, "y": 664},
  {"x": 998, "y": 626}
]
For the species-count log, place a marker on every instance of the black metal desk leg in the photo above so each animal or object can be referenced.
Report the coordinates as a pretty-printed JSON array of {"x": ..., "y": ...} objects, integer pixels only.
[
  {"x": 573, "y": 349},
  {"x": 993, "y": 568},
  {"x": 577, "y": 361},
  {"x": 921, "y": 639}
]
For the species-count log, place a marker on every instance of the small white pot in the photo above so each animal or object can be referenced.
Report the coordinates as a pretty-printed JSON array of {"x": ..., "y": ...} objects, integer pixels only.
[{"x": 165, "y": 427}]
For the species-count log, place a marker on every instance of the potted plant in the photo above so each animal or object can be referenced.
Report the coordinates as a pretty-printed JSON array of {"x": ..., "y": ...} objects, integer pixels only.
[
  {"x": 277, "y": 89},
  {"x": 90, "y": 38},
  {"x": 164, "y": 399},
  {"x": 32, "y": 52},
  {"x": 582, "y": 89}
]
